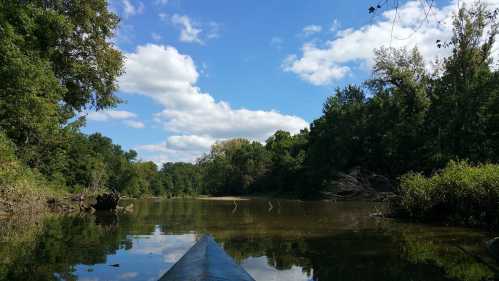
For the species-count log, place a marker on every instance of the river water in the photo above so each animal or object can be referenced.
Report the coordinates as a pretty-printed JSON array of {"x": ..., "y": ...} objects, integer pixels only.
[{"x": 277, "y": 241}]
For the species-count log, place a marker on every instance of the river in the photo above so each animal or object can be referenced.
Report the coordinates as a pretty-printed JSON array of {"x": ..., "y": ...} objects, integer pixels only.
[{"x": 280, "y": 241}]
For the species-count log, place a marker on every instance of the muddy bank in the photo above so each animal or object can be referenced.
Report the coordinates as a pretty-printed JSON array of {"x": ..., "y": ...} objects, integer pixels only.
[{"x": 15, "y": 202}]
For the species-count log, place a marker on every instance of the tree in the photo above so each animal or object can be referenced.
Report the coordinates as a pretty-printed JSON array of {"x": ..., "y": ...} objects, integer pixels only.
[
  {"x": 287, "y": 153},
  {"x": 464, "y": 95},
  {"x": 56, "y": 59},
  {"x": 234, "y": 167}
]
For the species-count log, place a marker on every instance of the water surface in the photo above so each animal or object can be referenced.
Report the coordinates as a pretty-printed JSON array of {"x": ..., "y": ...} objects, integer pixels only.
[{"x": 284, "y": 240}]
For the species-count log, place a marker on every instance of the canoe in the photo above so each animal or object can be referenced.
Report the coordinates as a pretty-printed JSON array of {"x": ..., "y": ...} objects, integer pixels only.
[{"x": 206, "y": 261}]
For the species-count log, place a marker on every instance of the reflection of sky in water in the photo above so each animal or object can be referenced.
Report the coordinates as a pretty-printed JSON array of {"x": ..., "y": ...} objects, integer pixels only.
[
  {"x": 262, "y": 271},
  {"x": 152, "y": 255},
  {"x": 148, "y": 259}
]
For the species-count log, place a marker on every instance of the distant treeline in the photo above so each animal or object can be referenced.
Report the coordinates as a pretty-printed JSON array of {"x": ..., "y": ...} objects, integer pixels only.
[{"x": 57, "y": 59}]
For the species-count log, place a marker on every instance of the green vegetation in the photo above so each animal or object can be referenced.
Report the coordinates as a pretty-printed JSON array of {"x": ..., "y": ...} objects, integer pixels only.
[
  {"x": 20, "y": 187},
  {"x": 405, "y": 118},
  {"x": 56, "y": 60},
  {"x": 459, "y": 193}
]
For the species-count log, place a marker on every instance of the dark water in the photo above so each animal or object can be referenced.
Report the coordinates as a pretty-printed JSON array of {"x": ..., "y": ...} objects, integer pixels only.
[{"x": 288, "y": 241}]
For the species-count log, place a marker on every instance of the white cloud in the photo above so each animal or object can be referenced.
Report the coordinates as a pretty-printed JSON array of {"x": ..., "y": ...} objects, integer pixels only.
[
  {"x": 314, "y": 66},
  {"x": 353, "y": 48},
  {"x": 184, "y": 148},
  {"x": 195, "y": 118},
  {"x": 106, "y": 115},
  {"x": 134, "y": 124},
  {"x": 260, "y": 269},
  {"x": 186, "y": 143},
  {"x": 128, "y": 275},
  {"x": 311, "y": 29},
  {"x": 214, "y": 30},
  {"x": 188, "y": 33},
  {"x": 191, "y": 31},
  {"x": 130, "y": 9},
  {"x": 128, "y": 118},
  {"x": 335, "y": 25}
]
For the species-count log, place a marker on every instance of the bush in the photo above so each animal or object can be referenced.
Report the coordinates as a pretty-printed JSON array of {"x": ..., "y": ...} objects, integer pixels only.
[
  {"x": 460, "y": 193},
  {"x": 22, "y": 189}
]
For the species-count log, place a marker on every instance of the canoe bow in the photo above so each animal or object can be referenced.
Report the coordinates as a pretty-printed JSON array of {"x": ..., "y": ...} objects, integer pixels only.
[{"x": 206, "y": 261}]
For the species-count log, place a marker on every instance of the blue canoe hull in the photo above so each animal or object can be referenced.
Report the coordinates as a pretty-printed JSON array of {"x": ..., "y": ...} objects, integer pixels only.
[{"x": 206, "y": 261}]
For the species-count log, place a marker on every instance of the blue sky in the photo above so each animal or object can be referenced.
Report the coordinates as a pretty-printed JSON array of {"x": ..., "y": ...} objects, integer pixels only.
[{"x": 202, "y": 71}]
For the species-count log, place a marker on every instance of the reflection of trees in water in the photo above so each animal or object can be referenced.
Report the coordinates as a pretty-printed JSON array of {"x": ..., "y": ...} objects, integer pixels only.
[
  {"x": 329, "y": 242},
  {"x": 460, "y": 253},
  {"x": 343, "y": 256},
  {"x": 55, "y": 245}
]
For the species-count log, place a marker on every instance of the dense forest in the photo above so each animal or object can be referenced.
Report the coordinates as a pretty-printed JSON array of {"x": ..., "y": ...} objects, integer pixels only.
[{"x": 57, "y": 60}]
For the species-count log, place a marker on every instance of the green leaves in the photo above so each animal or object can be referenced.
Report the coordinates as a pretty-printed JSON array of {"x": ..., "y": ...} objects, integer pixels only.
[
  {"x": 55, "y": 59},
  {"x": 460, "y": 193}
]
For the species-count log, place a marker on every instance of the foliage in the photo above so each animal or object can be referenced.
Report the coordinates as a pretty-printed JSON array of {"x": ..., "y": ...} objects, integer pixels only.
[
  {"x": 179, "y": 179},
  {"x": 56, "y": 59},
  {"x": 234, "y": 166},
  {"x": 460, "y": 193},
  {"x": 21, "y": 188}
]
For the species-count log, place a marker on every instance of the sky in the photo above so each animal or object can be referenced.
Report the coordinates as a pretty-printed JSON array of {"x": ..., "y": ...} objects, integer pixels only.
[{"x": 197, "y": 72}]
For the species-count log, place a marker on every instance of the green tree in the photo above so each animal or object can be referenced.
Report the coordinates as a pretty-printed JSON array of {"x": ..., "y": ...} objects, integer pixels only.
[
  {"x": 56, "y": 59},
  {"x": 463, "y": 98}
]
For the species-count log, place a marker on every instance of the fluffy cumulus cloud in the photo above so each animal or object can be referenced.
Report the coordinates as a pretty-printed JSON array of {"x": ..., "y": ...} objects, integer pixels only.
[
  {"x": 193, "y": 118},
  {"x": 415, "y": 25},
  {"x": 128, "y": 118}
]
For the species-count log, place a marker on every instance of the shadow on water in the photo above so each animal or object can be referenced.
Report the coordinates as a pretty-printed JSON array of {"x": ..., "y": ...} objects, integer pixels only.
[{"x": 291, "y": 241}]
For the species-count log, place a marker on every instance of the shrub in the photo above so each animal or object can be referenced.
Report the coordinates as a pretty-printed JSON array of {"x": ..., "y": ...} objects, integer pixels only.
[
  {"x": 22, "y": 189},
  {"x": 460, "y": 193}
]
